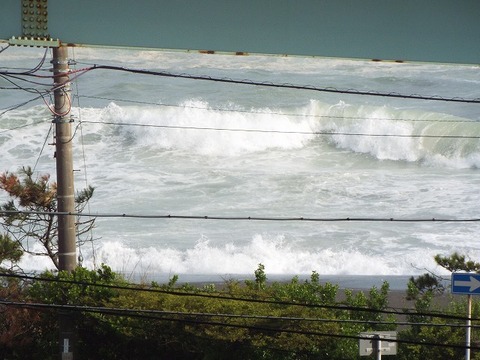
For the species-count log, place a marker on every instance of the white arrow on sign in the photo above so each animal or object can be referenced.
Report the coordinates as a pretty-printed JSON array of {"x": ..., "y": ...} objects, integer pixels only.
[{"x": 473, "y": 283}]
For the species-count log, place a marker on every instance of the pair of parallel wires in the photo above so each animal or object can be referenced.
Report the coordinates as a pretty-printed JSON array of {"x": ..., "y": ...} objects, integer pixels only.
[{"x": 214, "y": 319}]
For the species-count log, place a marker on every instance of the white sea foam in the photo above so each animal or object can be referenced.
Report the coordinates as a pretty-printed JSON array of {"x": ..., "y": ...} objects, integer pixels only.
[
  {"x": 382, "y": 132},
  {"x": 217, "y": 149},
  {"x": 278, "y": 258},
  {"x": 194, "y": 126},
  {"x": 391, "y": 134}
]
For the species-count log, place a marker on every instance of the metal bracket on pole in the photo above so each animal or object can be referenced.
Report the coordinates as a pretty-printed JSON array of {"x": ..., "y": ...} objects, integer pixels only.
[{"x": 57, "y": 119}]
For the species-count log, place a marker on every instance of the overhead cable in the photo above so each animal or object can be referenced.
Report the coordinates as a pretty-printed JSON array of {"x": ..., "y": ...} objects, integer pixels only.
[
  {"x": 242, "y": 218},
  {"x": 21, "y": 126},
  {"x": 4, "y": 48},
  {"x": 145, "y": 315},
  {"x": 279, "y": 113},
  {"x": 286, "y": 86},
  {"x": 270, "y": 131},
  {"x": 29, "y": 71},
  {"x": 14, "y": 107},
  {"x": 228, "y": 297},
  {"x": 43, "y": 146}
]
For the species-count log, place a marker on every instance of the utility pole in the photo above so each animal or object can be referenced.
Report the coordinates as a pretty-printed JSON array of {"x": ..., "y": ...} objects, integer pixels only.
[{"x": 67, "y": 253}]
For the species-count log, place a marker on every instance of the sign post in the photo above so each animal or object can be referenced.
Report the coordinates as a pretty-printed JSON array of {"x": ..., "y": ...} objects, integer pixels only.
[
  {"x": 378, "y": 343},
  {"x": 467, "y": 284}
]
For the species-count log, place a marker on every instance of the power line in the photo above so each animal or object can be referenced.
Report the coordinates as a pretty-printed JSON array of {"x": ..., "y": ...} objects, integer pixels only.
[
  {"x": 14, "y": 107},
  {"x": 21, "y": 126},
  {"x": 245, "y": 218},
  {"x": 286, "y": 86},
  {"x": 30, "y": 71},
  {"x": 226, "y": 296},
  {"x": 147, "y": 314},
  {"x": 79, "y": 72},
  {"x": 43, "y": 146},
  {"x": 218, "y": 109},
  {"x": 271, "y": 131},
  {"x": 7, "y": 75},
  {"x": 329, "y": 133},
  {"x": 275, "y": 85},
  {"x": 4, "y": 48},
  {"x": 84, "y": 161},
  {"x": 299, "y": 319}
]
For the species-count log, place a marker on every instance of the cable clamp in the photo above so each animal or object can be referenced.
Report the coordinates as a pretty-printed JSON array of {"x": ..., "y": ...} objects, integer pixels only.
[
  {"x": 58, "y": 62},
  {"x": 60, "y": 119}
]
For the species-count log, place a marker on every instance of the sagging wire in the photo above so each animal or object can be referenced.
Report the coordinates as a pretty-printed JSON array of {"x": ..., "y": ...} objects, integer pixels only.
[
  {"x": 19, "y": 87},
  {"x": 43, "y": 146},
  {"x": 63, "y": 86},
  {"x": 67, "y": 99},
  {"x": 14, "y": 107},
  {"x": 48, "y": 88},
  {"x": 20, "y": 126},
  {"x": 145, "y": 314},
  {"x": 285, "y": 85},
  {"x": 244, "y": 218},
  {"x": 280, "y": 85},
  {"x": 82, "y": 71},
  {"x": 217, "y": 109},
  {"x": 328, "y": 133},
  {"x": 4, "y": 48},
  {"x": 40, "y": 64},
  {"x": 79, "y": 126},
  {"x": 256, "y": 300},
  {"x": 30, "y": 71}
]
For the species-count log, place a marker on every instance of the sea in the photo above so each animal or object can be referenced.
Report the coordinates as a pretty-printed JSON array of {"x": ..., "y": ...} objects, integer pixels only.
[{"x": 368, "y": 174}]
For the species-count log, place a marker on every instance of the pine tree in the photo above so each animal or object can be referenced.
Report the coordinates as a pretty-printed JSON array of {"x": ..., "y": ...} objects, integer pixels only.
[{"x": 28, "y": 218}]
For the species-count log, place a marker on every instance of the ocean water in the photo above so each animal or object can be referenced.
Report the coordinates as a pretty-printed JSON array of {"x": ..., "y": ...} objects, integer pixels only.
[{"x": 154, "y": 145}]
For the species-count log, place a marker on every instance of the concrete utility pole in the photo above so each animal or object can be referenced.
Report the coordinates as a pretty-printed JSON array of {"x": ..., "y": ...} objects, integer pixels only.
[{"x": 67, "y": 253}]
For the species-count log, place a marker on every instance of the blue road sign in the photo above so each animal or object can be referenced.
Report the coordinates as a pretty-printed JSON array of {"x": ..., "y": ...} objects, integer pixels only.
[{"x": 466, "y": 283}]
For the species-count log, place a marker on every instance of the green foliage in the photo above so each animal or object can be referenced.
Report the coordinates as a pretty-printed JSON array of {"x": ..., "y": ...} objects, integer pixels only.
[
  {"x": 260, "y": 279},
  {"x": 426, "y": 284},
  {"x": 423, "y": 290},
  {"x": 439, "y": 330},
  {"x": 275, "y": 320},
  {"x": 81, "y": 287},
  {"x": 309, "y": 292},
  {"x": 243, "y": 334},
  {"x": 26, "y": 217},
  {"x": 18, "y": 327},
  {"x": 457, "y": 262},
  {"x": 10, "y": 251},
  {"x": 78, "y": 287},
  {"x": 376, "y": 300}
]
